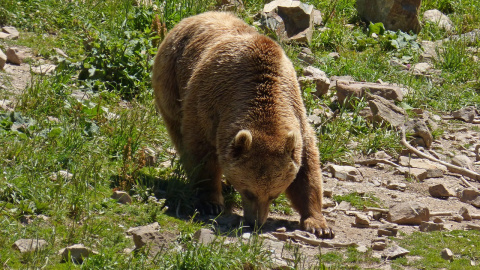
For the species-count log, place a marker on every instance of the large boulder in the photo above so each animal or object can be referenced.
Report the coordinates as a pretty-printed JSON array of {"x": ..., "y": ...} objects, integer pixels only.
[
  {"x": 408, "y": 213},
  {"x": 394, "y": 14},
  {"x": 289, "y": 19}
]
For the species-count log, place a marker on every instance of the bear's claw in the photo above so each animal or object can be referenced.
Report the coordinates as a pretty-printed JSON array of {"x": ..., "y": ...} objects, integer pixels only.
[
  {"x": 209, "y": 208},
  {"x": 318, "y": 226}
]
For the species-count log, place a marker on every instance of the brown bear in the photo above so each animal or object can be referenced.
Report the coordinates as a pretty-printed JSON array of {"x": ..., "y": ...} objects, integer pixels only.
[{"x": 232, "y": 106}]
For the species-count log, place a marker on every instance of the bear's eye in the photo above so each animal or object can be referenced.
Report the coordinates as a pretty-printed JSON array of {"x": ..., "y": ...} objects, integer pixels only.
[{"x": 249, "y": 195}]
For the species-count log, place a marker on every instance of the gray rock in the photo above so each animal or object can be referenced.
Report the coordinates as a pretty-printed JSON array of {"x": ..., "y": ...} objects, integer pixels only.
[
  {"x": 4, "y": 35},
  {"x": 362, "y": 221},
  {"x": 14, "y": 56},
  {"x": 429, "y": 54},
  {"x": 344, "y": 206},
  {"x": 76, "y": 253},
  {"x": 334, "y": 55},
  {"x": 3, "y": 59},
  {"x": 396, "y": 186},
  {"x": 440, "y": 191},
  {"x": 384, "y": 110},
  {"x": 433, "y": 169},
  {"x": 11, "y": 31},
  {"x": 395, "y": 252},
  {"x": 387, "y": 230},
  {"x": 447, "y": 254},
  {"x": 347, "y": 173},
  {"x": 427, "y": 226},
  {"x": 317, "y": 17},
  {"x": 289, "y": 19},
  {"x": 465, "y": 214},
  {"x": 421, "y": 68},
  {"x": 419, "y": 128},
  {"x": 327, "y": 202},
  {"x": 44, "y": 69},
  {"x": 408, "y": 213},
  {"x": 312, "y": 74},
  {"x": 457, "y": 218},
  {"x": 468, "y": 195},
  {"x": 379, "y": 243},
  {"x": 147, "y": 235},
  {"x": 462, "y": 161},
  {"x": 61, "y": 52},
  {"x": 121, "y": 197},
  {"x": 204, "y": 236},
  {"x": 63, "y": 175},
  {"x": 394, "y": 14},
  {"x": 435, "y": 16},
  {"x": 382, "y": 155},
  {"x": 466, "y": 114},
  {"x": 29, "y": 245},
  {"x": 347, "y": 89}
]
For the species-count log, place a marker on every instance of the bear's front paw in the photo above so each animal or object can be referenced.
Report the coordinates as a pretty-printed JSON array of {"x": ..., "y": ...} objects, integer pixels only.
[
  {"x": 318, "y": 226},
  {"x": 209, "y": 208}
]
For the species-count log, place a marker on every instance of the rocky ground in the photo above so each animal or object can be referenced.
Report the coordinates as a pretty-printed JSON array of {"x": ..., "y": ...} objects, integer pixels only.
[{"x": 414, "y": 193}]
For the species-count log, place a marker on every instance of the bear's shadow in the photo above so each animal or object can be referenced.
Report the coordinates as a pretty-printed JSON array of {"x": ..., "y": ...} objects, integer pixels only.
[{"x": 178, "y": 194}]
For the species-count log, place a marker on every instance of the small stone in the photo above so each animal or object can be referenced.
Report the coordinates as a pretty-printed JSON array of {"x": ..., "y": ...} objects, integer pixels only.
[
  {"x": 44, "y": 69},
  {"x": 327, "y": 193},
  {"x": 319, "y": 77},
  {"x": 327, "y": 202},
  {"x": 246, "y": 236},
  {"x": 396, "y": 186},
  {"x": 12, "y": 31},
  {"x": 440, "y": 191},
  {"x": 334, "y": 55},
  {"x": 14, "y": 56},
  {"x": 437, "y": 17},
  {"x": 437, "y": 220},
  {"x": 64, "y": 175},
  {"x": 61, "y": 52},
  {"x": 457, "y": 218},
  {"x": 348, "y": 173},
  {"x": 462, "y": 161},
  {"x": 387, "y": 230},
  {"x": 4, "y": 35},
  {"x": 466, "y": 114},
  {"x": 379, "y": 243},
  {"x": 447, "y": 254},
  {"x": 395, "y": 252},
  {"x": 362, "y": 249},
  {"x": 76, "y": 253},
  {"x": 121, "y": 197},
  {"x": 204, "y": 236},
  {"x": 362, "y": 221},
  {"x": 344, "y": 206},
  {"x": 465, "y": 214},
  {"x": 29, "y": 245},
  {"x": 468, "y": 195},
  {"x": 281, "y": 229},
  {"x": 430, "y": 226},
  {"x": 382, "y": 155}
]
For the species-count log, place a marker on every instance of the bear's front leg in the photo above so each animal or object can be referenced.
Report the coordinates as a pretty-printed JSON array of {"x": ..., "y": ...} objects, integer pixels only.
[
  {"x": 305, "y": 192},
  {"x": 202, "y": 168}
]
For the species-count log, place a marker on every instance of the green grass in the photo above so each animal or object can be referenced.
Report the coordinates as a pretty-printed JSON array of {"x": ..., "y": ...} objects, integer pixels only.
[
  {"x": 359, "y": 201},
  {"x": 101, "y": 141},
  {"x": 463, "y": 244}
]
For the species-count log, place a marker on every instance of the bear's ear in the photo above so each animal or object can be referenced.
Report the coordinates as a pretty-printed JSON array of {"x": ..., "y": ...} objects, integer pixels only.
[
  {"x": 292, "y": 138},
  {"x": 242, "y": 142}
]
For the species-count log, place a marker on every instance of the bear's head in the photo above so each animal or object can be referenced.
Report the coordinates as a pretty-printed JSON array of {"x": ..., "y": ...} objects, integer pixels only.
[{"x": 261, "y": 166}]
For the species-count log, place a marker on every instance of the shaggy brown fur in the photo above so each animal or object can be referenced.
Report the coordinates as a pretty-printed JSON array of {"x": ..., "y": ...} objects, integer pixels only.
[{"x": 232, "y": 106}]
